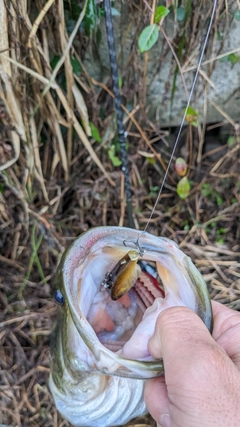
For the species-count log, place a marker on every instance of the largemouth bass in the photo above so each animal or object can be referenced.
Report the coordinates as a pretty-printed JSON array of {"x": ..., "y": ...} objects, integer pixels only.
[{"x": 99, "y": 350}]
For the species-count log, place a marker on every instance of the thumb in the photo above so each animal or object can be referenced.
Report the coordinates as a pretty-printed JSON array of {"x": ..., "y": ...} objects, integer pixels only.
[
  {"x": 175, "y": 329},
  {"x": 178, "y": 334},
  {"x": 198, "y": 372},
  {"x": 184, "y": 343}
]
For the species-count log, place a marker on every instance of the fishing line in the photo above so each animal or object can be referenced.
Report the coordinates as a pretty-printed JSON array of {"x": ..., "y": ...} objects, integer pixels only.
[
  {"x": 119, "y": 112},
  {"x": 118, "y": 108},
  {"x": 181, "y": 126}
]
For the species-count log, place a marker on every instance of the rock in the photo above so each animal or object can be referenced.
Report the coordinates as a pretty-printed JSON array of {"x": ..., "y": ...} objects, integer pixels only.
[{"x": 218, "y": 83}]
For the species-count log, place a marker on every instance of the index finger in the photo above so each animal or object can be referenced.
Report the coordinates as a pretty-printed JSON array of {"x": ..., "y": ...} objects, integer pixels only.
[{"x": 226, "y": 330}]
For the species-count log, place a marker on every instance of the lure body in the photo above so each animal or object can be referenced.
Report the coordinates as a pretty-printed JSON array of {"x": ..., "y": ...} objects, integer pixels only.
[
  {"x": 123, "y": 275},
  {"x": 99, "y": 352}
]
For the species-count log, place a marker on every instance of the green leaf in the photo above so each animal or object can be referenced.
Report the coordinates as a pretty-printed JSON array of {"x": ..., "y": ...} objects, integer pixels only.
[
  {"x": 188, "y": 9},
  {"x": 54, "y": 61},
  {"x": 160, "y": 12},
  {"x": 75, "y": 10},
  {"x": 191, "y": 111},
  {"x": 115, "y": 12},
  {"x": 219, "y": 200},
  {"x": 151, "y": 160},
  {"x": 181, "y": 13},
  {"x": 102, "y": 113},
  {"x": 95, "y": 132},
  {"x": 120, "y": 81},
  {"x": 91, "y": 13},
  {"x": 148, "y": 37},
  {"x": 183, "y": 188},
  {"x": 90, "y": 16},
  {"x": 76, "y": 66},
  {"x": 237, "y": 15},
  {"x": 192, "y": 116},
  {"x": 231, "y": 141},
  {"x": 206, "y": 189},
  {"x": 233, "y": 58},
  {"x": 112, "y": 156}
]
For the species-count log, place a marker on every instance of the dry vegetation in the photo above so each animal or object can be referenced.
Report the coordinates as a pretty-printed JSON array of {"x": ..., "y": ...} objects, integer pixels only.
[{"x": 56, "y": 181}]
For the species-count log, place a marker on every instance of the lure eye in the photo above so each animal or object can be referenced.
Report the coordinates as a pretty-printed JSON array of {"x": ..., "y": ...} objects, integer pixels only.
[{"x": 58, "y": 296}]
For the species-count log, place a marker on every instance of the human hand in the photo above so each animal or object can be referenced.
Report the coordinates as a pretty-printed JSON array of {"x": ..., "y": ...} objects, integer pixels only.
[{"x": 201, "y": 386}]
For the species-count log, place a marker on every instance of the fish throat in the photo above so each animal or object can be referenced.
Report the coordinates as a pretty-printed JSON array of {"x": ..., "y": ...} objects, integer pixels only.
[{"x": 119, "y": 306}]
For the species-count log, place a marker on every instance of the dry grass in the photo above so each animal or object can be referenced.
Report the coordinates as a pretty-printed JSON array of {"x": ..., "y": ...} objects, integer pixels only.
[{"x": 56, "y": 182}]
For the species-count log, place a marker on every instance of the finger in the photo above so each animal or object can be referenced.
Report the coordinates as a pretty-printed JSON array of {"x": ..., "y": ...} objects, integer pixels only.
[
  {"x": 175, "y": 327},
  {"x": 224, "y": 319},
  {"x": 198, "y": 372},
  {"x": 189, "y": 352},
  {"x": 156, "y": 397},
  {"x": 226, "y": 330}
]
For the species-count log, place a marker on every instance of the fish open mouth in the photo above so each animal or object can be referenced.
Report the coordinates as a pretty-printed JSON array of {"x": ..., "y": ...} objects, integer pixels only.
[
  {"x": 109, "y": 333},
  {"x": 115, "y": 322},
  {"x": 124, "y": 326}
]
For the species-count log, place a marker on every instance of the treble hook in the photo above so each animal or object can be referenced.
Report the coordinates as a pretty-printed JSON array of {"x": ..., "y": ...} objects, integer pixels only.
[{"x": 136, "y": 243}]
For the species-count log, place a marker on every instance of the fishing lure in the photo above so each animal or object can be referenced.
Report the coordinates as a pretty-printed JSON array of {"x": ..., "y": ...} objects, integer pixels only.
[{"x": 123, "y": 275}]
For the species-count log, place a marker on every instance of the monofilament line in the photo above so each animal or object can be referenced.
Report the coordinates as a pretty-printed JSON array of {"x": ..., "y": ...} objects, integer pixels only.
[{"x": 184, "y": 116}]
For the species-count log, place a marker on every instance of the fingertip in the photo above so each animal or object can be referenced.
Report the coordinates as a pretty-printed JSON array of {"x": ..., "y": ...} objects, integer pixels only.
[
  {"x": 156, "y": 397},
  {"x": 166, "y": 319}
]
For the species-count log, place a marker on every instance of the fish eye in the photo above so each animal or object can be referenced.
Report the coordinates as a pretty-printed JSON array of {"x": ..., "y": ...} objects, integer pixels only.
[{"x": 58, "y": 296}]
